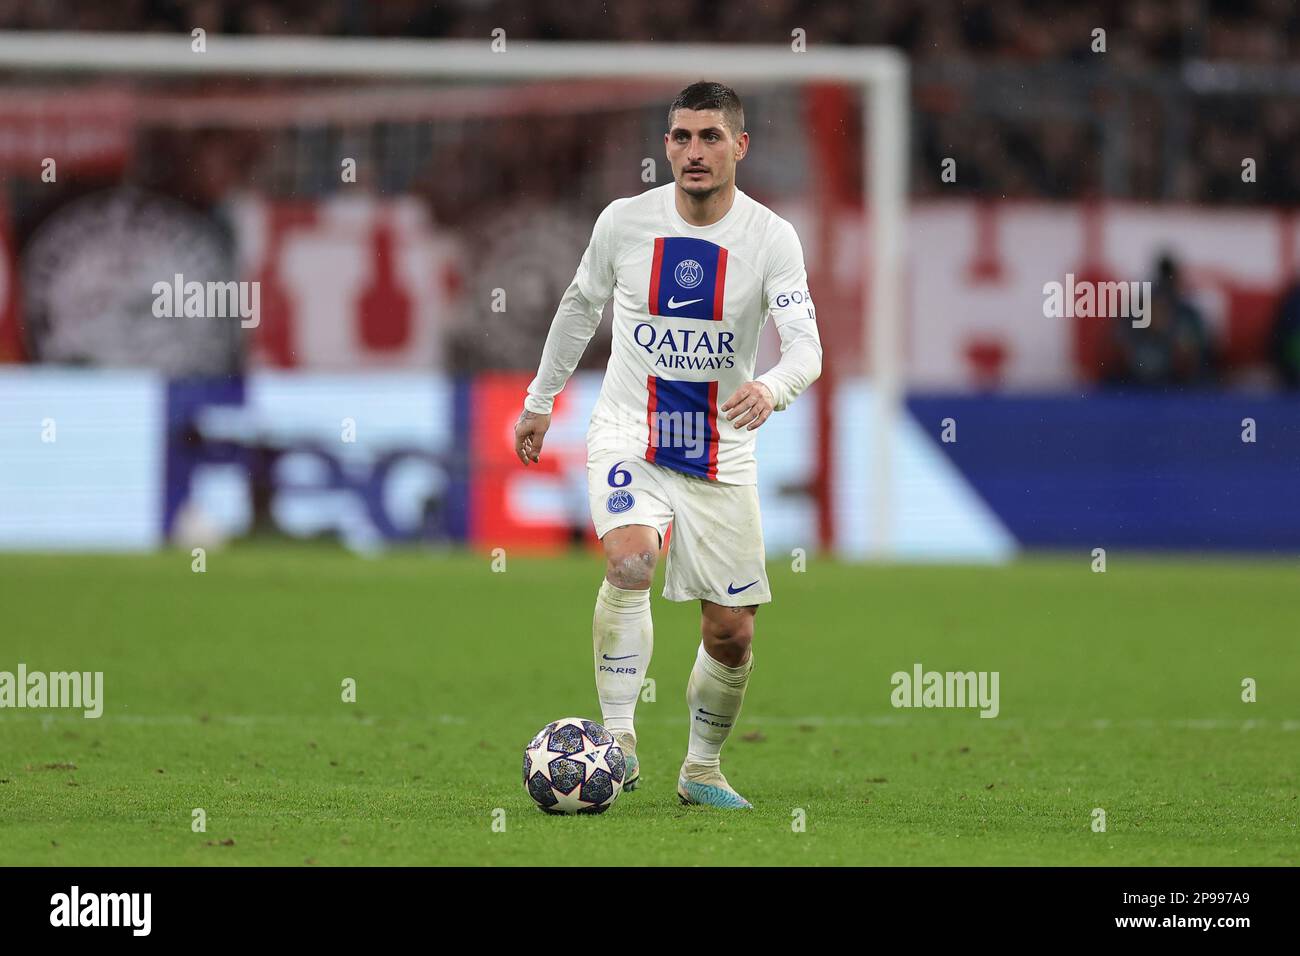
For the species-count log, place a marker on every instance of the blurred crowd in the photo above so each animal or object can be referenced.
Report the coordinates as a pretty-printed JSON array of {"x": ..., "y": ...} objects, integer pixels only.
[
  {"x": 1046, "y": 115},
  {"x": 1156, "y": 31},
  {"x": 1176, "y": 348}
]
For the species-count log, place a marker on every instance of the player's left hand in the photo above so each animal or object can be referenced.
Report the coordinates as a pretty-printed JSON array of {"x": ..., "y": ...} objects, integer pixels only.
[{"x": 750, "y": 406}]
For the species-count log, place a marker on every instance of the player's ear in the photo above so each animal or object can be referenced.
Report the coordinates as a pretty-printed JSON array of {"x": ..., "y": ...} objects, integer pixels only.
[{"x": 742, "y": 146}]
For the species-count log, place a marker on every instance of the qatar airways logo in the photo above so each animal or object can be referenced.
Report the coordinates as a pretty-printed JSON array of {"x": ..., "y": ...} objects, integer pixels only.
[{"x": 687, "y": 349}]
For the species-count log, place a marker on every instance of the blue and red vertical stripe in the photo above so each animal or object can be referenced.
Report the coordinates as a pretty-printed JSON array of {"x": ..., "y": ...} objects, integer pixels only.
[{"x": 682, "y": 418}]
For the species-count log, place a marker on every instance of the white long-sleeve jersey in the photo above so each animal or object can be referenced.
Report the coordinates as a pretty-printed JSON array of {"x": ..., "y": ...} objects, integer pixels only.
[{"x": 689, "y": 303}]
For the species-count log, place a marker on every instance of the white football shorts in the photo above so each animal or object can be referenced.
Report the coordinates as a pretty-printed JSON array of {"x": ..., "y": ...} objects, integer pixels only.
[{"x": 715, "y": 552}]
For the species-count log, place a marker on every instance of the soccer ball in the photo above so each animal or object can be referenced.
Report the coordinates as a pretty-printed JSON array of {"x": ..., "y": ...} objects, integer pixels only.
[{"x": 573, "y": 766}]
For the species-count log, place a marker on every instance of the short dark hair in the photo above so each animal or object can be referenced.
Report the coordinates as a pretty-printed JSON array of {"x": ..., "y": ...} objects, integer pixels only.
[{"x": 711, "y": 96}]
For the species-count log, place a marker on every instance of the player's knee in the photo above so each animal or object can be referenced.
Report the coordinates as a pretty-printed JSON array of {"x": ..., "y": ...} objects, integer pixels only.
[
  {"x": 632, "y": 570},
  {"x": 730, "y": 650},
  {"x": 740, "y": 631},
  {"x": 727, "y": 636}
]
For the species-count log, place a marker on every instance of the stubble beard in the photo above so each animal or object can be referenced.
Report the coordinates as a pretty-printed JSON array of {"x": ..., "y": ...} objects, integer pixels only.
[{"x": 700, "y": 192}]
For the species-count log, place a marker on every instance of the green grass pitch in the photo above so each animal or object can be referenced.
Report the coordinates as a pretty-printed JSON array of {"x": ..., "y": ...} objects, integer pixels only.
[{"x": 1119, "y": 691}]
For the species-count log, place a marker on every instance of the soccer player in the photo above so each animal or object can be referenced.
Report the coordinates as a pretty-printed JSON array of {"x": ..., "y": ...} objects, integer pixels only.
[{"x": 695, "y": 267}]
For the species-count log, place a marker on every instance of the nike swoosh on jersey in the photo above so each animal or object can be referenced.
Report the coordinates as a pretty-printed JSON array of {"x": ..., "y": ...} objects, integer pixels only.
[
  {"x": 732, "y": 589},
  {"x": 623, "y": 658},
  {"x": 706, "y": 713},
  {"x": 674, "y": 304}
]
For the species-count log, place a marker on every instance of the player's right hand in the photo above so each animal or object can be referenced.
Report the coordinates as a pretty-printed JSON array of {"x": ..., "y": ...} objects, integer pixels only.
[{"x": 530, "y": 432}]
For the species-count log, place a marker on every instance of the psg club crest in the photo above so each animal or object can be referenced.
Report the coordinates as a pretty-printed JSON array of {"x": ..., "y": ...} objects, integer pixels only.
[
  {"x": 619, "y": 501},
  {"x": 688, "y": 273}
]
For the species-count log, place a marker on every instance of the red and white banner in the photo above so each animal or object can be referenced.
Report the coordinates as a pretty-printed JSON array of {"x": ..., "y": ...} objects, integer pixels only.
[
  {"x": 351, "y": 283},
  {"x": 977, "y": 271}
]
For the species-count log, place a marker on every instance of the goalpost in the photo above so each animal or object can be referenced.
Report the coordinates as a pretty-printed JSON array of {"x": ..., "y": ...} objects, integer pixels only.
[{"x": 881, "y": 74}]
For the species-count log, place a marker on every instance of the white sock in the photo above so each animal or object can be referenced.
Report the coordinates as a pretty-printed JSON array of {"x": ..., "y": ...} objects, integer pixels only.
[
  {"x": 622, "y": 637},
  {"x": 714, "y": 694}
]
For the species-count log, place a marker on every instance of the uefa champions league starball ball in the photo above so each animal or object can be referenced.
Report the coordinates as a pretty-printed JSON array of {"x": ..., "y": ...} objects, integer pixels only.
[{"x": 573, "y": 766}]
